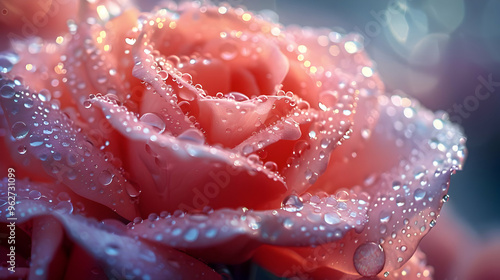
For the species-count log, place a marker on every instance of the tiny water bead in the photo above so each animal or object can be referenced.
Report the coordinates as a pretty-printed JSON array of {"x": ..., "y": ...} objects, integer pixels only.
[{"x": 369, "y": 259}]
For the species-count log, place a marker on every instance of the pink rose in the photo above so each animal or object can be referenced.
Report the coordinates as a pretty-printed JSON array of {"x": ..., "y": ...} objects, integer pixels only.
[{"x": 220, "y": 136}]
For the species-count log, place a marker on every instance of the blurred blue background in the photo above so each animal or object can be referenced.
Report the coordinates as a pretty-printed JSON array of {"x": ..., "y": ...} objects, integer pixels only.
[{"x": 445, "y": 53}]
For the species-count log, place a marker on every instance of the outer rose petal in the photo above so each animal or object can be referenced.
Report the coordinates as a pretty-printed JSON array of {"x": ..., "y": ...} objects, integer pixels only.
[
  {"x": 405, "y": 198},
  {"x": 230, "y": 236},
  {"x": 119, "y": 255},
  {"x": 46, "y": 135}
]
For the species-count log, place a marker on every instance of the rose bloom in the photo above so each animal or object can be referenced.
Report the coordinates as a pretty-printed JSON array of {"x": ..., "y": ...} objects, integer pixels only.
[{"x": 181, "y": 142}]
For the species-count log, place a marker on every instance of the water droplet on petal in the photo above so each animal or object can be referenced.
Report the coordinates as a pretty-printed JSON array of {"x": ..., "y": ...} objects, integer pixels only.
[
  {"x": 36, "y": 140},
  {"x": 7, "y": 91},
  {"x": 332, "y": 218},
  {"x": 228, "y": 51},
  {"x": 432, "y": 223},
  {"x": 385, "y": 216},
  {"x": 419, "y": 194},
  {"x": 19, "y": 130},
  {"x": 327, "y": 100},
  {"x": 192, "y": 135},
  {"x": 44, "y": 95},
  {"x": 155, "y": 121},
  {"x": 133, "y": 190},
  {"x": 105, "y": 177},
  {"x": 369, "y": 259},
  {"x": 292, "y": 203},
  {"x": 34, "y": 194},
  {"x": 112, "y": 249},
  {"x": 288, "y": 223}
]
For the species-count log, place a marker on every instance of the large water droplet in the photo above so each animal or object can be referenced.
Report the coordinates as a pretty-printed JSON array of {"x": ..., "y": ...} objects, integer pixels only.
[
  {"x": 237, "y": 96},
  {"x": 65, "y": 207},
  {"x": 154, "y": 120},
  {"x": 105, "y": 177},
  {"x": 292, "y": 203},
  {"x": 19, "y": 130},
  {"x": 44, "y": 95},
  {"x": 369, "y": 259},
  {"x": 34, "y": 194},
  {"x": 36, "y": 140},
  {"x": 7, "y": 61},
  {"x": 332, "y": 218},
  {"x": 288, "y": 223},
  {"x": 112, "y": 249},
  {"x": 385, "y": 216},
  {"x": 228, "y": 51},
  {"x": 396, "y": 185},
  {"x": 327, "y": 99},
  {"x": 419, "y": 194}
]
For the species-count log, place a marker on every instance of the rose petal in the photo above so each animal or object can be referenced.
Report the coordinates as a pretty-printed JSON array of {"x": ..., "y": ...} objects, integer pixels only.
[
  {"x": 405, "y": 167},
  {"x": 233, "y": 234},
  {"x": 104, "y": 242},
  {"x": 230, "y": 122},
  {"x": 165, "y": 186},
  {"x": 48, "y": 136}
]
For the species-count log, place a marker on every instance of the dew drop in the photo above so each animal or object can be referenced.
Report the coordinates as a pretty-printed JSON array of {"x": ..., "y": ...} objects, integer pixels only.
[
  {"x": 432, "y": 223},
  {"x": 44, "y": 95},
  {"x": 39, "y": 271},
  {"x": 133, "y": 190},
  {"x": 28, "y": 103},
  {"x": 105, "y": 177},
  {"x": 112, "y": 249},
  {"x": 191, "y": 235},
  {"x": 34, "y": 194},
  {"x": 400, "y": 201},
  {"x": 148, "y": 256},
  {"x": 288, "y": 223},
  {"x": 36, "y": 140},
  {"x": 328, "y": 99},
  {"x": 7, "y": 61},
  {"x": 292, "y": 203},
  {"x": 385, "y": 216},
  {"x": 19, "y": 130},
  {"x": 396, "y": 185},
  {"x": 192, "y": 135},
  {"x": 155, "y": 121},
  {"x": 211, "y": 233},
  {"x": 332, "y": 218},
  {"x": 369, "y": 259},
  {"x": 228, "y": 51},
  {"x": 64, "y": 207},
  {"x": 271, "y": 166},
  {"x": 446, "y": 197},
  {"x": 419, "y": 194},
  {"x": 6, "y": 91}
]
